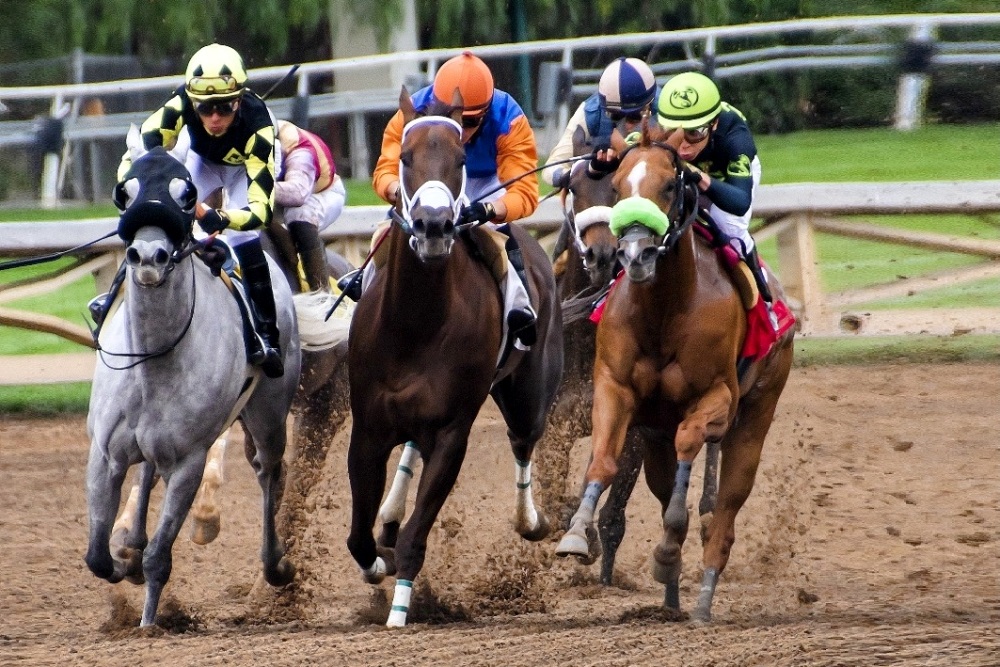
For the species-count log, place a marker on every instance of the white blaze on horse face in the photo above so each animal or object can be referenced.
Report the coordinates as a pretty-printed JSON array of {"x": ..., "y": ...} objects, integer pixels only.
[{"x": 635, "y": 177}]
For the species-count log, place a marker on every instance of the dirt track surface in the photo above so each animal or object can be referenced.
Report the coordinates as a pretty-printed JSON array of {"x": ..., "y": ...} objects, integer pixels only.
[{"x": 872, "y": 537}]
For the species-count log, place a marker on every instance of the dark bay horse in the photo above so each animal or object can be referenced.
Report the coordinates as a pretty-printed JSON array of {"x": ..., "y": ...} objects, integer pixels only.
[
  {"x": 425, "y": 343},
  {"x": 667, "y": 349}
]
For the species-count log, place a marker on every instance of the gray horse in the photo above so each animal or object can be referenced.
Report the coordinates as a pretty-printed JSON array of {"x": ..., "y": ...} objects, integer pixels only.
[{"x": 173, "y": 375}]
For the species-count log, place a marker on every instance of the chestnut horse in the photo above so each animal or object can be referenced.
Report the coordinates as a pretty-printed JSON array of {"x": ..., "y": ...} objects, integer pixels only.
[
  {"x": 425, "y": 343},
  {"x": 667, "y": 350},
  {"x": 585, "y": 260}
]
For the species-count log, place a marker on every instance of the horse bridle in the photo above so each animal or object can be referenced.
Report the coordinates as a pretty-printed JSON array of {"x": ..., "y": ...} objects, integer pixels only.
[
  {"x": 190, "y": 246},
  {"x": 432, "y": 189},
  {"x": 678, "y": 217}
]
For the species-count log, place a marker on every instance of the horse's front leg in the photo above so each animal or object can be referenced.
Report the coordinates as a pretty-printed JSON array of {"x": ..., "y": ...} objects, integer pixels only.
[
  {"x": 393, "y": 509},
  {"x": 206, "y": 517},
  {"x": 436, "y": 482},
  {"x": 366, "y": 461},
  {"x": 614, "y": 405},
  {"x": 157, "y": 561},
  {"x": 128, "y": 536},
  {"x": 104, "y": 483},
  {"x": 706, "y": 419},
  {"x": 611, "y": 520}
]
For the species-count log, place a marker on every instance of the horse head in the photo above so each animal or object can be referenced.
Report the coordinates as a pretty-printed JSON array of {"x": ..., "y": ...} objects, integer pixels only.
[
  {"x": 655, "y": 204},
  {"x": 157, "y": 200},
  {"x": 432, "y": 176},
  {"x": 590, "y": 217}
]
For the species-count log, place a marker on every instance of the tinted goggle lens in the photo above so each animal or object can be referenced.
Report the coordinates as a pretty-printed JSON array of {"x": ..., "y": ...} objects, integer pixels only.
[
  {"x": 472, "y": 122},
  {"x": 619, "y": 116},
  {"x": 694, "y": 135},
  {"x": 221, "y": 108}
]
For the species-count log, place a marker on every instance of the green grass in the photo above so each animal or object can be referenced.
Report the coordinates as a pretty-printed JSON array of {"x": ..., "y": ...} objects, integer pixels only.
[
  {"x": 931, "y": 153},
  {"x": 45, "y": 400}
]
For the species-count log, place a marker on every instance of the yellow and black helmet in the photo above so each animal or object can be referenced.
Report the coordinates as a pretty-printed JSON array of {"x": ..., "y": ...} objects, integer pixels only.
[{"x": 215, "y": 73}]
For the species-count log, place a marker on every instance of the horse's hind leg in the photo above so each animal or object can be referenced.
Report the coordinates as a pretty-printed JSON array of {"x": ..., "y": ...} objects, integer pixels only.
[
  {"x": 128, "y": 537},
  {"x": 393, "y": 509},
  {"x": 157, "y": 561},
  {"x": 366, "y": 462},
  {"x": 710, "y": 488},
  {"x": 611, "y": 520},
  {"x": 661, "y": 468},
  {"x": 205, "y": 515},
  {"x": 104, "y": 489}
]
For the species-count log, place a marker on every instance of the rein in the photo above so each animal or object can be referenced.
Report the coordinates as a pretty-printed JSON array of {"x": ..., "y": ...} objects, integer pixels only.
[
  {"x": 31, "y": 261},
  {"x": 175, "y": 259}
]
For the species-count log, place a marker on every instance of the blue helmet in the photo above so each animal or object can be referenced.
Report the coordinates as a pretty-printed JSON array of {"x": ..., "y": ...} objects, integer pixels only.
[{"x": 627, "y": 85}]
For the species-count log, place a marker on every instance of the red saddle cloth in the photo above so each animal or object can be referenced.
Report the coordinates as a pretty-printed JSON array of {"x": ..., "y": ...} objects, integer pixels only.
[{"x": 760, "y": 334}]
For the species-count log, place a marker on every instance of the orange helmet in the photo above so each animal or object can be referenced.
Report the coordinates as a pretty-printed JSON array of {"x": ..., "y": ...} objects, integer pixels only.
[{"x": 472, "y": 78}]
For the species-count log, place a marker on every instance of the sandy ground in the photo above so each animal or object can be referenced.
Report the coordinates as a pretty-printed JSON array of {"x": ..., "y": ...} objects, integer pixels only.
[{"x": 872, "y": 538}]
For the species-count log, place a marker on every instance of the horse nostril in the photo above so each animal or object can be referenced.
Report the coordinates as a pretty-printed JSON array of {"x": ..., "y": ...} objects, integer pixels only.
[
  {"x": 418, "y": 224},
  {"x": 588, "y": 255},
  {"x": 161, "y": 257},
  {"x": 449, "y": 227},
  {"x": 132, "y": 256}
]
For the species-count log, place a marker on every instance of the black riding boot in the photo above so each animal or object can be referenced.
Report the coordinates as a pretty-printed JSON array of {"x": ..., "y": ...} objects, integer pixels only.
[
  {"x": 313, "y": 253},
  {"x": 520, "y": 321},
  {"x": 257, "y": 280},
  {"x": 101, "y": 303},
  {"x": 753, "y": 261}
]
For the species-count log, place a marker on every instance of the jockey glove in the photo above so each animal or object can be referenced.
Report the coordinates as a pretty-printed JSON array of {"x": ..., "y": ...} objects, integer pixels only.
[
  {"x": 560, "y": 179},
  {"x": 600, "y": 168},
  {"x": 478, "y": 212},
  {"x": 214, "y": 220}
]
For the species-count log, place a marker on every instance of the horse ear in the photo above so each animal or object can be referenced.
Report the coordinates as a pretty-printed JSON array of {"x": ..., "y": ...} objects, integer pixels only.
[
  {"x": 406, "y": 105},
  {"x": 618, "y": 142},
  {"x": 579, "y": 141},
  {"x": 134, "y": 142},
  {"x": 457, "y": 106}
]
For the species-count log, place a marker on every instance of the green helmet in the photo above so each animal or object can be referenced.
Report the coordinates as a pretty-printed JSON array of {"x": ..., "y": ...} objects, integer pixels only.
[{"x": 688, "y": 100}]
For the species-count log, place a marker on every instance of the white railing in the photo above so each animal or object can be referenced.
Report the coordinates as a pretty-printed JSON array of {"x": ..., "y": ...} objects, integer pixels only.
[{"x": 703, "y": 48}]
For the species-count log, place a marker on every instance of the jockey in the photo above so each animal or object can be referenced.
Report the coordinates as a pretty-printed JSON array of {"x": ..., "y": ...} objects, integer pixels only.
[
  {"x": 720, "y": 152},
  {"x": 624, "y": 96},
  {"x": 232, "y": 146},
  {"x": 312, "y": 195},
  {"x": 499, "y": 146}
]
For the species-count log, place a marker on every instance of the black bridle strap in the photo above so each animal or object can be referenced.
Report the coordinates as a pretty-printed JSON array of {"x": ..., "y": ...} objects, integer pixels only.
[
  {"x": 146, "y": 356},
  {"x": 31, "y": 261}
]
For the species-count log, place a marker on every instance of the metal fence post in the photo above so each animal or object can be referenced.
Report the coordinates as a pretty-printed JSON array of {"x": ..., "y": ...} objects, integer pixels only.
[{"x": 914, "y": 80}]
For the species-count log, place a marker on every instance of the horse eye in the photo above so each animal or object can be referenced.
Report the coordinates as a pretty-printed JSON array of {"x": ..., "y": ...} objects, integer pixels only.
[{"x": 407, "y": 159}]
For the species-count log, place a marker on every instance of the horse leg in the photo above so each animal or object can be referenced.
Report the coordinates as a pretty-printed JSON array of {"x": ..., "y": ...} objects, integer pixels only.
[
  {"x": 436, "y": 483},
  {"x": 206, "y": 518},
  {"x": 741, "y": 455},
  {"x": 710, "y": 488},
  {"x": 393, "y": 509},
  {"x": 611, "y": 520},
  {"x": 707, "y": 420},
  {"x": 661, "y": 470},
  {"x": 268, "y": 439},
  {"x": 104, "y": 489},
  {"x": 127, "y": 544},
  {"x": 614, "y": 405},
  {"x": 366, "y": 463},
  {"x": 157, "y": 561}
]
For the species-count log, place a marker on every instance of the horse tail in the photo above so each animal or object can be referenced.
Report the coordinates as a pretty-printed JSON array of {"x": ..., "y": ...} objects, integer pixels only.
[{"x": 316, "y": 332}]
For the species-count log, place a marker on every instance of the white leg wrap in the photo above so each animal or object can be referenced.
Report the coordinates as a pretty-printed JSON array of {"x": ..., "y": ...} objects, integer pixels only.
[
  {"x": 393, "y": 509},
  {"x": 400, "y": 604},
  {"x": 525, "y": 503}
]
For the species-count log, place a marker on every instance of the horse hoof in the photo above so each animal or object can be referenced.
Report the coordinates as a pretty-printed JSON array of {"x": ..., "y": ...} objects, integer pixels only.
[
  {"x": 539, "y": 532},
  {"x": 701, "y": 616},
  {"x": 282, "y": 574},
  {"x": 573, "y": 544},
  {"x": 205, "y": 529}
]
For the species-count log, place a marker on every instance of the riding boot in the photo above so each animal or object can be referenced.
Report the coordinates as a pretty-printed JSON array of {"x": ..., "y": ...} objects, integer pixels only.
[
  {"x": 101, "y": 304},
  {"x": 257, "y": 281},
  {"x": 753, "y": 262},
  {"x": 520, "y": 321},
  {"x": 313, "y": 253}
]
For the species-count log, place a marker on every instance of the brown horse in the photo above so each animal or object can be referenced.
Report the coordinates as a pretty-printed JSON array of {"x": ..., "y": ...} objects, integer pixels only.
[
  {"x": 667, "y": 350},
  {"x": 425, "y": 342},
  {"x": 585, "y": 260}
]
